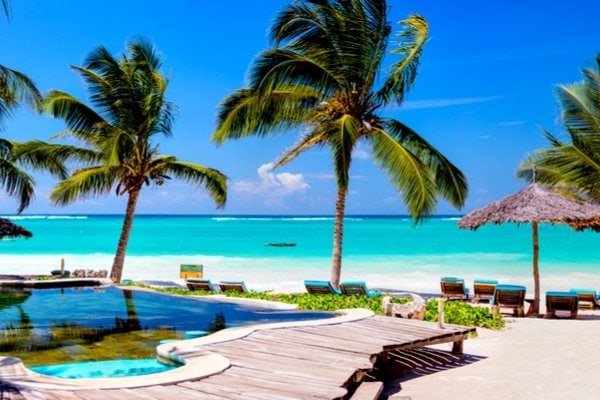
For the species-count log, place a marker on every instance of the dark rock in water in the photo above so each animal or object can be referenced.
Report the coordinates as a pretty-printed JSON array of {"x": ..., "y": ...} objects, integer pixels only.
[{"x": 280, "y": 244}]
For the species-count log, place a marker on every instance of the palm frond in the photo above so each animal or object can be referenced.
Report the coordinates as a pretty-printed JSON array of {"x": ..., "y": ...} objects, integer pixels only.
[
  {"x": 82, "y": 121},
  {"x": 313, "y": 139},
  {"x": 411, "y": 177},
  {"x": 342, "y": 136},
  {"x": 411, "y": 41},
  {"x": 17, "y": 183},
  {"x": 450, "y": 182},
  {"x": 246, "y": 112},
  {"x": 580, "y": 115},
  {"x": 16, "y": 89},
  {"x": 84, "y": 183},
  {"x": 213, "y": 181}
]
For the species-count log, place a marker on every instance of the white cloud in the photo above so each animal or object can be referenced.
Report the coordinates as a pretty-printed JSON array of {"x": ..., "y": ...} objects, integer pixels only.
[
  {"x": 437, "y": 103},
  {"x": 361, "y": 153},
  {"x": 280, "y": 184}
]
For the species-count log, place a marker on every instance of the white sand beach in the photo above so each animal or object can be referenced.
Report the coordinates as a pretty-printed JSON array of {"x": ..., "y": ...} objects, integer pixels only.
[{"x": 533, "y": 358}]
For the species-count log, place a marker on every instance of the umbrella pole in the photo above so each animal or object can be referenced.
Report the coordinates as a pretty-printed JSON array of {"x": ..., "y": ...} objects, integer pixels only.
[{"x": 536, "y": 270}]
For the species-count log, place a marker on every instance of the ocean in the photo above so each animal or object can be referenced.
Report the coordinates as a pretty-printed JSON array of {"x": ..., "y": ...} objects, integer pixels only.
[{"x": 388, "y": 252}]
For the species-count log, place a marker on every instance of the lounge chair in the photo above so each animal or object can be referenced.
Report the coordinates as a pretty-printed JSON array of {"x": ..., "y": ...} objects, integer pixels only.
[
  {"x": 200, "y": 284},
  {"x": 320, "y": 287},
  {"x": 453, "y": 288},
  {"x": 587, "y": 298},
  {"x": 237, "y": 286},
  {"x": 509, "y": 296},
  {"x": 561, "y": 301},
  {"x": 483, "y": 290},
  {"x": 358, "y": 287}
]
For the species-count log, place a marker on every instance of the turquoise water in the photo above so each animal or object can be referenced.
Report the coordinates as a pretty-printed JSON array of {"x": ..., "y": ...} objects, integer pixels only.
[
  {"x": 104, "y": 369},
  {"x": 65, "y": 325},
  {"x": 385, "y": 251}
]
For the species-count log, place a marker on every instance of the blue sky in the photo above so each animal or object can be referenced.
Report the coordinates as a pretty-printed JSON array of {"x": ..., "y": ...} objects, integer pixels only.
[{"x": 485, "y": 88}]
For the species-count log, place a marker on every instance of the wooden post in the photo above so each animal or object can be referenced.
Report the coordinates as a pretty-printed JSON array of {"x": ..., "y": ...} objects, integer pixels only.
[
  {"x": 62, "y": 267},
  {"x": 441, "y": 313}
]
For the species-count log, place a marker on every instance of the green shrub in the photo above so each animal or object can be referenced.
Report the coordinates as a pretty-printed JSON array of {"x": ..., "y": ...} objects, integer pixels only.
[
  {"x": 461, "y": 313},
  {"x": 456, "y": 312}
]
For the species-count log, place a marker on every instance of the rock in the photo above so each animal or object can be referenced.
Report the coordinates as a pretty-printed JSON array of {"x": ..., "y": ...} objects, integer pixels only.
[{"x": 414, "y": 309}]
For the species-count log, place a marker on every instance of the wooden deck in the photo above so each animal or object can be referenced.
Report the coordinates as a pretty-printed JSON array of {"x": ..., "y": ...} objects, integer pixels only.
[{"x": 325, "y": 361}]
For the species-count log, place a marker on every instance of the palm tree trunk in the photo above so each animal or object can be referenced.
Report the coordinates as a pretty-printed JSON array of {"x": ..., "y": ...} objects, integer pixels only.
[
  {"x": 536, "y": 270},
  {"x": 338, "y": 234},
  {"x": 116, "y": 272}
]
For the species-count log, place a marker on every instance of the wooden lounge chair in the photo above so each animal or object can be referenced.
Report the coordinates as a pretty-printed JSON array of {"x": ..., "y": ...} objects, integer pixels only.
[
  {"x": 561, "y": 301},
  {"x": 320, "y": 287},
  {"x": 483, "y": 290},
  {"x": 509, "y": 296},
  {"x": 238, "y": 286},
  {"x": 587, "y": 298},
  {"x": 453, "y": 288},
  {"x": 358, "y": 287},
  {"x": 200, "y": 284}
]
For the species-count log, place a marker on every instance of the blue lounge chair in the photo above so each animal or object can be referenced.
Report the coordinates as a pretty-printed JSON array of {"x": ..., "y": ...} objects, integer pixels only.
[
  {"x": 237, "y": 286},
  {"x": 561, "y": 301},
  {"x": 201, "y": 284},
  {"x": 453, "y": 288},
  {"x": 588, "y": 298},
  {"x": 509, "y": 296},
  {"x": 320, "y": 287},
  {"x": 483, "y": 290},
  {"x": 358, "y": 287}
]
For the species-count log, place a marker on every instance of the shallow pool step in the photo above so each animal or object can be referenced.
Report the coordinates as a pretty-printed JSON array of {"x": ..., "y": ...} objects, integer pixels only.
[{"x": 195, "y": 334}]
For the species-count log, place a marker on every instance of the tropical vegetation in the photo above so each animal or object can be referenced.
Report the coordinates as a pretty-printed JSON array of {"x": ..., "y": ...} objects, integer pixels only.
[
  {"x": 119, "y": 150},
  {"x": 455, "y": 312},
  {"x": 572, "y": 165},
  {"x": 325, "y": 76}
]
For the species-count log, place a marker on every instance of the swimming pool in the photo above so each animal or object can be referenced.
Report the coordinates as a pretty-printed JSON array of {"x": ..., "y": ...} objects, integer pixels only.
[{"x": 75, "y": 325}]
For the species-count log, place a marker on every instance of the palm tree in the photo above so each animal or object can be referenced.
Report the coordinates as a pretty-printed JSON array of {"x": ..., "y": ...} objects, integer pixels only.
[
  {"x": 323, "y": 74},
  {"x": 129, "y": 96},
  {"x": 573, "y": 166}
]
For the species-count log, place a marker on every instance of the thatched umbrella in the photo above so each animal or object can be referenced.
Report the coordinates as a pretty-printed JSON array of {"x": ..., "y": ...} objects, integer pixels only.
[
  {"x": 8, "y": 229},
  {"x": 536, "y": 204}
]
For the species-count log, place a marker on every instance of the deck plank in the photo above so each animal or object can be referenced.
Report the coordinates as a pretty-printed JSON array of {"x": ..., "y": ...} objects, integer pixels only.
[
  {"x": 303, "y": 362},
  {"x": 272, "y": 345},
  {"x": 170, "y": 392},
  {"x": 311, "y": 388}
]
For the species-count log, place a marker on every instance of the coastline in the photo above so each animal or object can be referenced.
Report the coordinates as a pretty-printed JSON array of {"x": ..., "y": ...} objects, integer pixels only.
[
  {"x": 387, "y": 252},
  {"x": 276, "y": 274}
]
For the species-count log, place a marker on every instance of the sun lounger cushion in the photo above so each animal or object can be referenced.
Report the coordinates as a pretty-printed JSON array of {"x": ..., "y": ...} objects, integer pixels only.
[
  {"x": 512, "y": 296},
  {"x": 488, "y": 281},
  {"x": 320, "y": 287},
  {"x": 358, "y": 287},
  {"x": 454, "y": 288},
  {"x": 483, "y": 289},
  {"x": 588, "y": 298},
  {"x": 200, "y": 284},
  {"x": 561, "y": 301},
  {"x": 238, "y": 286}
]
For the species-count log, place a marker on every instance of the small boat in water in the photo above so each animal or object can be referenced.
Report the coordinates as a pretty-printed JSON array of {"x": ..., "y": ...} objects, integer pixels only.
[{"x": 281, "y": 244}]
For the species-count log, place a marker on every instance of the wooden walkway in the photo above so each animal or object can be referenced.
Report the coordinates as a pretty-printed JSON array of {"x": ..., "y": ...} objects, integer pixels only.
[{"x": 303, "y": 362}]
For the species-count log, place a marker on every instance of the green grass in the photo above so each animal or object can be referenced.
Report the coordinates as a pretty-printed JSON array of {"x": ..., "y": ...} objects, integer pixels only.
[{"x": 456, "y": 312}]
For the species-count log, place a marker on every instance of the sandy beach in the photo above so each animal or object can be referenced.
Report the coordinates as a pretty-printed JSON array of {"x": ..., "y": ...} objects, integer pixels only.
[{"x": 533, "y": 358}]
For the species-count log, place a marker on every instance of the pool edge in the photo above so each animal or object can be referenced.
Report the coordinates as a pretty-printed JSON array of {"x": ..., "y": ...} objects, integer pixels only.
[{"x": 197, "y": 363}]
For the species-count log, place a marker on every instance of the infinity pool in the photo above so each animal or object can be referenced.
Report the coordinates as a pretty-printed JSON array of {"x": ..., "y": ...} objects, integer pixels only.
[{"x": 76, "y": 325}]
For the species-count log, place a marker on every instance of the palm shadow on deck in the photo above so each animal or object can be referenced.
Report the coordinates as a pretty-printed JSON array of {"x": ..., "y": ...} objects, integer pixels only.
[{"x": 404, "y": 365}]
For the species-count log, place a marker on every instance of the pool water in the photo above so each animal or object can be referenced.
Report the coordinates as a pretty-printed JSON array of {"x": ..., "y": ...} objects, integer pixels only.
[
  {"x": 84, "y": 324},
  {"x": 104, "y": 369}
]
